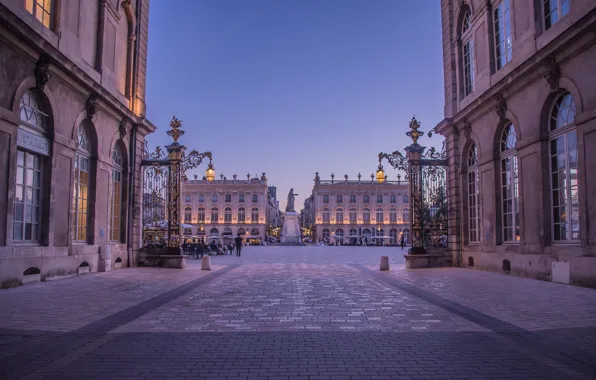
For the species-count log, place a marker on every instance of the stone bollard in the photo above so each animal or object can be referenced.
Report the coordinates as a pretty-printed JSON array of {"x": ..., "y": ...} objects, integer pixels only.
[
  {"x": 206, "y": 262},
  {"x": 384, "y": 263}
]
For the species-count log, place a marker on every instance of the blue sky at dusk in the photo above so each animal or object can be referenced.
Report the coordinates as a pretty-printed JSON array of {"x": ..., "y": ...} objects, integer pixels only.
[{"x": 292, "y": 87}]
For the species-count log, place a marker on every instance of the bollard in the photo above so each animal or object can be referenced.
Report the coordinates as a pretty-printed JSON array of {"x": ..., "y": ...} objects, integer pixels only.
[
  {"x": 206, "y": 262},
  {"x": 384, "y": 263}
]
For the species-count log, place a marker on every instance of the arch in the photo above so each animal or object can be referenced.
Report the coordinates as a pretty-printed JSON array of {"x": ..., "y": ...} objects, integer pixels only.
[
  {"x": 31, "y": 271},
  {"x": 465, "y": 151},
  {"x": 339, "y": 232},
  {"x": 227, "y": 231},
  {"x": 214, "y": 231},
  {"x": 565, "y": 85},
  {"x": 118, "y": 260},
  {"x": 122, "y": 145},
  {"x": 366, "y": 232},
  {"x": 510, "y": 119},
  {"x": 506, "y": 266},
  {"x": 47, "y": 100},
  {"x": 325, "y": 233},
  {"x": 85, "y": 264},
  {"x": 82, "y": 119},
  {"x": 460, "y": 13},
  {"x": 241, "y": 231},
  {"x": 255, "y": 232}
]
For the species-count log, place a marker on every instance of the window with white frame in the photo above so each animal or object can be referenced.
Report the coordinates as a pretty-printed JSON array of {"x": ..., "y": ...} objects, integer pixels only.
[
  {"x": 227, "y": 214},
  {"x": 502, "y": 33},
  {"x": 405, "y": 215},
  {"x": 473, "y": 195},
  {"x": 325, "y": 198},
  {"x": 214, "y": 215},
  {"x": 392, "y": 199},
  {"x": 116, "y": 204},
  {"x": 326, "y": 215},
  {"x": 82, "y": 176},
  {"x": 393, "y": 215},
  {"x": 564, "y": 169},
  {"x": 241, "y": 215},
  {"x": 43, "y": 10},
  {"x": 29, "y": 180},
  {"x": 366, "y": 215},
  {"x": 228, "y": 198},
  {"x": 509, "y": 185},
  {"x": 339, "y": 215},
  {"x": 353, "y": 215},
  {"x": 553, "y": 11},
  {"x": 187, "y": 215},
  {"x": 201, "y": 198},
  {"x": 214, "y": 198},
  {"x": 339, "y": 198},
  {"x": 379, "y": 215},
  {"x": 365, "y": 198},
  {"x": 254, "y": 215},
  {"x": 201, "y": 215},
  {"x": 467, "y": 53},
  {"x": 352, "y": 198}
]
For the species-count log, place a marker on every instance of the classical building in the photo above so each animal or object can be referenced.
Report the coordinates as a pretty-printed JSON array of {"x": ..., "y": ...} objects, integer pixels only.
[
  {"x": 227, "y": 208},
  {"x": 349, "y": 210},
  {"x": 520, "y": 121},
  {"x": 72, "y": 105}
]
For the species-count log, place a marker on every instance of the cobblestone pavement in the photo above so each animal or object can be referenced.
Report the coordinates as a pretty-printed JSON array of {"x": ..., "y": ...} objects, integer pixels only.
[{"x": 298, "y": 312}]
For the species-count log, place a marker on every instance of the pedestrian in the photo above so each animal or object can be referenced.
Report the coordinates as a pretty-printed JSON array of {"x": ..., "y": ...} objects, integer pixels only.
[
  {"x": 238, "y": 241},
  {"x": 402, "y": 242}
]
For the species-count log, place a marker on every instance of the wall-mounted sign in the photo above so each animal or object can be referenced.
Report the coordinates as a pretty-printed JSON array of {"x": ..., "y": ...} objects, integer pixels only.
[{"x": 33, "y": 142}]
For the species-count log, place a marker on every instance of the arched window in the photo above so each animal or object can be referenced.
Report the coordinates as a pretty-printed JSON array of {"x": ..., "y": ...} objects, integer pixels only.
[
  {"x": 467, "y": 54},
  {"x": 214, "y": 215},
  {"x": 393, "y": 236},
  {"x": 326, "y": 215},
  {"x": 254, "y": 215},
  {"x": 366, "y": 233},
  {"x": 201, "y": 215},
  {"x": 241, "y": 232},
  {"x": 339, "y": 233},
  {"x": 255, "y": 232},
  {"x": 228, "y": 198},
  {"x": 187, "y": 215},
  {"x": 228, "y": 214},
  {"x": 116, "y": 204},
  {"x": 325, "y": 233},
  {"x": 81, "y": 183},
  {"x": 564, "y": 169},
  {"x": 28, "y": 185},
  {"x": 509, "y": 185},
  {"x": 392, "y": 215},
  {"x": 473, "y": 196},
  {"x": 405, "y": 215},
  {"x": 214, "y": 198},
  {"x": 366, "y": 215},
  {"x": 353, "y": 215},
  {"x": 353, "y": 232},
  {"x": 379, "y": 215},
  {"x": 214, "y": 232},
  {"x": 241, "y": 215},
  {"x": 339, "y": 215}
]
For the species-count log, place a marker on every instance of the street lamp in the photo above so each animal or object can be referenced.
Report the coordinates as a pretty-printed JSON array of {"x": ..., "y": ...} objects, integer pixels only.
[
  {"x": 210, "y": 173},
  {"x": 380, "y": 173}
]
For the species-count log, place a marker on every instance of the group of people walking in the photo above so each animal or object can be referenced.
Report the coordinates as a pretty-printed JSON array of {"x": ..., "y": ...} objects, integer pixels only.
[{"x": 201, "y": 248}]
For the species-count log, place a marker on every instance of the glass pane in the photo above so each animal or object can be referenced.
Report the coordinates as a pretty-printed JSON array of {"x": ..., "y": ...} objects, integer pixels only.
[
  {"x": 19, "y": 193},
  {"x": 18, "y": 212},
  {"x": 20, "y": 158},
  {"x": 17, "y": 231},
  {"x": 30, "y": 160}
]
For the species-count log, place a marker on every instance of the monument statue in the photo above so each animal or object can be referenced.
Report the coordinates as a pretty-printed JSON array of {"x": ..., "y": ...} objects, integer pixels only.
[{"x": 290, "y": 205}]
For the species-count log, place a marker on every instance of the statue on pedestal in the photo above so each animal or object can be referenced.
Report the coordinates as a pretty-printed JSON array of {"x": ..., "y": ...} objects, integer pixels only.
[{"x": 290, "y": 205}]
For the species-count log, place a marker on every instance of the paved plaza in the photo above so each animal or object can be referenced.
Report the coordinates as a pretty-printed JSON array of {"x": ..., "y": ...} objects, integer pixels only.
[{"x": 298, "y": 313}]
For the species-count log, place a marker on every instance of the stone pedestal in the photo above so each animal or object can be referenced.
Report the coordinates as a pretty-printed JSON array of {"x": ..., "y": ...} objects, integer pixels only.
[
  {"x": 384, "y": 263},
  {"x": 291, "y": 231},
  {"x": 105, "y": 258},
  {"x": 428, "y": 260},
  {"x": 164, "y": 258},
  {"x": 206, "y": 262}
]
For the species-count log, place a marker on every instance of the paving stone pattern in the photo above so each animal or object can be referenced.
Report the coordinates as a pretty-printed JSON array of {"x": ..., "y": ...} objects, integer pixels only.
[{"x": 298, "y": 313}]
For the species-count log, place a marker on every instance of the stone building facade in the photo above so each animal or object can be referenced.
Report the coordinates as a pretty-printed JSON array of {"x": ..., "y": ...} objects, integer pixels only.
[
  {"x": 228, "y": 208},
  {"x": 349, "y": 210},
  {"x": 72, "y": 128},
  {"x": 520, "y": 121}
]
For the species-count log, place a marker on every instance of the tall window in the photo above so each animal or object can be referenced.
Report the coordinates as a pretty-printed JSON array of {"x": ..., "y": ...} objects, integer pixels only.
[
  {"x": 405, "y": 198},
  {"x": 366, "y": 198},
  {"x": 187, "y": 198},
  {"x": 43, "y": 11},
  {"x": 187, "y": 215},
  {"x": 393, "y": 215},
  {"x": 379, "y": 215},
  {"x": 241, "y": 198},
  {"x": 326, "y": 198},
  {"x": 325, "y": 233},
  {"x": 366, "y": 215},
  {"x": 392, "y": 199},
  {"x": 201, "y": 198},
  {"x": 393, "y": 236},
  {"x": 352, "y": 198},
  {"x": 116, "y": 209},
  {"x": 339, "y": 198},
  {"x": 339, "y": 215},
  {"x": 473, "y": 199},
  {"x": 214, "y": 215},
  {"x": 81, "y": 184},
  {"x": 553, "y": 11},
  {"x": 27, "y": 199},
  {"x": 326, "y": 215},
  {"x": 353, "y": 215},
  {"x": 509, "y": 185},
  {"x": 467, "y": 53},
  {"x": 227, "y": 214},
  {"x": 254, "y": 215},
  {"x": 405, "y": 215},
  {"x": 201, "y": 215},
  {"x": 255, "y": 198},
  {"x": 241, "y": 215},
  {"x": 214, "y": 198},
  {"x": 228, "y": 198},
  {"x": 503, "y": 43},
  {"x": 564, "y": 169}
]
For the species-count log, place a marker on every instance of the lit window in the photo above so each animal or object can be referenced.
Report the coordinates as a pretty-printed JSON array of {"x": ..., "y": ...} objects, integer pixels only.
[
  {"x": 553, "y": 11},
  {"x": 254, "y": 215},
  {"x": 227, "y": 214},
  {"x": 214, "y": 215},
  {"x": 405, "y": 215},
  {"x": 326, "y": 215},
  {"x": 42, "y": 10},
  {"x": 467, "y": 53},
  {"x": 473, "y": 196},
  {"x": 339, "y": 215},
  {"x": 502, "y": 24},
  {"x": 201, "y": 215},
  {"x": 366, "y": 215},
  {"x": 187, "y": 215},
  {"x": 352, "y": 215},
  {"x": 379, "y": 215},
  {"x": 564, "y": 170},
  {"x": 393, "y": 215},
  {"x": 81, "y": 184},
  {"x": 241, "y": 215},
  {"x": 509, "y": 185},
  {"x": 116, "y": 204}
]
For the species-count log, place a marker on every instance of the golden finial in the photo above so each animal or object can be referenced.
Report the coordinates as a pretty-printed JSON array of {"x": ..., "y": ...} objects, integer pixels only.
[
  {"x": 175, "y": 132},
  {"x": 414, "y": 134}
]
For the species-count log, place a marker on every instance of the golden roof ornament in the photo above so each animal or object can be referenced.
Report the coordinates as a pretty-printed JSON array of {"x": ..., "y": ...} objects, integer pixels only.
[
  {"x": 175, "y": 132},
  {"x": 414, "y": 134}
]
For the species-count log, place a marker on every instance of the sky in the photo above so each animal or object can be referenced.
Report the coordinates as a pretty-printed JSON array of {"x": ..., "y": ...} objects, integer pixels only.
[{"x": 293, "y": 87}]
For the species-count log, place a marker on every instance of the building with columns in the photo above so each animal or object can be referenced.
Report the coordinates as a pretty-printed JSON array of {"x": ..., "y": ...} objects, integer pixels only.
[
  {"x": 520, "y": 121},
  {"x": 345, "y": 211},
  {"x": 72, "y": 128},
  {"x": 227, "y": 208}
]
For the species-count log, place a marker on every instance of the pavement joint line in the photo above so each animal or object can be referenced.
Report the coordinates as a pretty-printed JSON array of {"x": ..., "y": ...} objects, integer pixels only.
[
  {"x": 67, "y": 343},
  {"x": 529, "y": 341}
]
